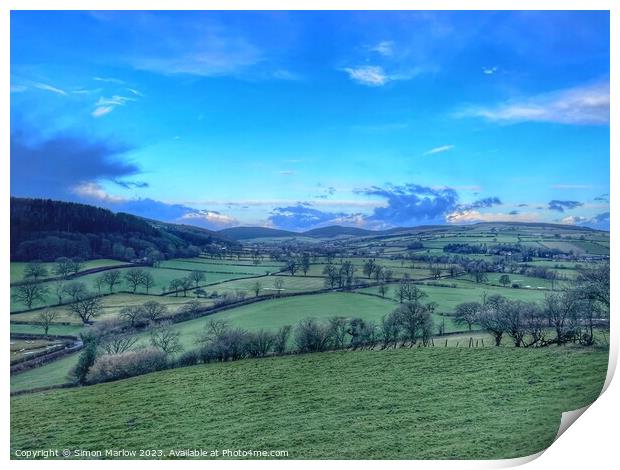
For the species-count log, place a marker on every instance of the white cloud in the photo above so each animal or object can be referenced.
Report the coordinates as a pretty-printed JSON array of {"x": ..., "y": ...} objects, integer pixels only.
[
  {"x": 476, "y": 216},
  {"x": 134, "y": 91},
  {"x": 94, "y": 190},
  {"x": 368, "y": 75},
  {"x": 107, "y": 105},
  {"x": 287, "y": 172},
  {"x": 211, "y": 217},
  {"x": 587, "y": 104},
  {"x": 18, "y": 88},
  {"x": 109, "y": 80},
  {"x": 385, "y": 48},
  {"x": 101, "y": 111},
  {"x": 489, "y": 70},
  {"x": 46, "y": 87},
  {"x": 442, "y": 149}
]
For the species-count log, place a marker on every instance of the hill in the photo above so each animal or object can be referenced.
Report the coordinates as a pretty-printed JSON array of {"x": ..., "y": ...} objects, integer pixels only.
[
  {"x": 44, "y": 229},
  {"x": 245, "y": 233},
  {"x": 337, "y": 231},
  {"x": 422, "y": 403}
]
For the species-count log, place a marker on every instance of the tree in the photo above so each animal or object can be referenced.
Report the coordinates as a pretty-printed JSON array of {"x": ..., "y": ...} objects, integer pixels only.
[
  {"x": 347, "y": 273},
  {"x": 369, "y": 267},
  {"x": 86, "y": 307},
  {"x": 435, "y": 272},
  {"x": 29, "y": 292},
  {"x": 256, "y": 287},
  {"x": 34, "y": 270},
  {"x": 166, "y": 339},
  {"x": 593, "y": 284},
  {"x": 46, "y": 318},
  {"x": 259, "y": 343},
  {"x": 292, "y": 266},
  {"x": 75, "y": 290},
  {"x": 118, "y": 344},
  {"x": 132, "y": 314},
  {"x": 63, "y": 267},
  {"x": 112, "y": 278},
  {"x": 175, "y": 286},
  {"x": 99, "y": 283},
  {"x": 338, "y": 331},
  {"x": 383, "y": 289},
  {"x": 467, "y": 313},
  {"x": 305, "y": 263},
  {"x": 278, "y": 285},
  {"x": 134, "y": 277},
  {"x": 75, "y": 265},
  {"x": 197, "y": 277},
  {"x": 85, "y": 362},
  {"x": 281, "y": 339},
  {"x": 390, "y": 330},
  {"x": 491, "y": 317},
  {"x": 59, "y": 290},
  {"x": 504, "y": 280},
  {"x": 148, "y": 281},
  {"x": 153, "y": 310},
  {"x": 185, "y": 285},
  {"x": 412, "y": 316},
  {"x": 332, "y": 275}
]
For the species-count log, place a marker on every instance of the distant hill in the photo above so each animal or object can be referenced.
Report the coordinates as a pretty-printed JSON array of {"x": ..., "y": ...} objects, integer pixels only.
[
  {"x": 44, "y": 229},
  {"x": 337, "y": 231},
  {"x": 245, "y": 233}
]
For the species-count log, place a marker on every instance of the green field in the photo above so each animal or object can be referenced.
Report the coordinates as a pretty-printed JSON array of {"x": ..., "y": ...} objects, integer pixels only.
[
  {"x": 52, "y": 373},
  {"x": 17, "y": 267},
  {"x": 422, "y": 403},
  {"x": 447, "y": 298}
]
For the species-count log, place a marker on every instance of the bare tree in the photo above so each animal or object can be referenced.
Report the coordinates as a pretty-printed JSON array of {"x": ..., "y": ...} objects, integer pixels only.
[
  {"x": 467, "y": 313},
  {"x": 132, "y": 314},
  {"x": 59, "y": 290},
  {"x": 46, "y": 318},
  {"x": 148, "y": 281},
  {"x": 278, "y": 284},
  {"x": 75, "y": 290},
  {"x": 34, "y": 270},
  {"x": 256, "y": 287},
  {"x": 118, "y": 344},
  {"x": 86, "y": 307},
  {"x": 166, "y": 339},
  {"x": 134, "y": 277},
  {"x": 29, "y": 292},
  {"x": 197, "y": 277},
  {"x": 281, "y": 339},
  {"x": 153, "y": 310},
  {"x": 112, "y": 278}
]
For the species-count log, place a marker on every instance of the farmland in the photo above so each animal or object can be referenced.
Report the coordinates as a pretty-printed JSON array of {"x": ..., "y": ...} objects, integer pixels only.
[
  {"x": 351, "y": 403},
  {"x": 263, "y": 287}
]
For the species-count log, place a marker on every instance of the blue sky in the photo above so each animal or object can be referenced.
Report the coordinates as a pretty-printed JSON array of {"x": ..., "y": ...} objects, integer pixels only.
[{"x": 304, "y": 119}]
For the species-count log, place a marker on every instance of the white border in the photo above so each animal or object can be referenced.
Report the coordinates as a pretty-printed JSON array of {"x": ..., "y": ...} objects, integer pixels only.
[{"x": 589, "y": 443}]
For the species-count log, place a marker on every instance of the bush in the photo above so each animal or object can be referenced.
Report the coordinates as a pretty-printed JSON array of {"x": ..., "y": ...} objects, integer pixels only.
[
  {"x": 311, "y": 336},
  {"x": 128, "y": 364},
  {"x": 188, "y": 358}
]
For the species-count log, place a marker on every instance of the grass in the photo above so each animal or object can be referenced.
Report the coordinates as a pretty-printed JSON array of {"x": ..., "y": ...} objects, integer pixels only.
[
  {"x": 422, "y": 403},
  {"x": 52, "y": 373},
  {"x": 447, "y": 298},
  {"x": 17, "y": 267},
  {"x": 71, "y": 330}
]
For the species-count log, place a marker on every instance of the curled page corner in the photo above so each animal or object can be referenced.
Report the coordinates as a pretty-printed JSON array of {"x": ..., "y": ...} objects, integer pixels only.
[{"x": 568, "y": 418}]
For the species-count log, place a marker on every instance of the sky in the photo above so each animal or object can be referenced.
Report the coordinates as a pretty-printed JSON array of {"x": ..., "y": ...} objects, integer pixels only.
[{"x": 298, "y": 120}]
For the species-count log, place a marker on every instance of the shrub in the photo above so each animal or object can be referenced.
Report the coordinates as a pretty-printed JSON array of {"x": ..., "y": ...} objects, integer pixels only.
[
  {"x": 128, "y": 364},
  {"x": 188, "y": 358},
  {"x": 311, "y": 336}
]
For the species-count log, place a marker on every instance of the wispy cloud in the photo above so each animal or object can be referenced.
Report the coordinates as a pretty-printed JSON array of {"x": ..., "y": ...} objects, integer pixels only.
[
  {"x": 376, "y": 75},
  {"x": 583, "y": 105},
  {"x": 385, "y": 48},
  {"x": 489, "y": 70},
  {"x": 50, "y": 88},
  {"x": 442, "y": 149},
  {"x": 18, "y": 88},
  {"x": 107, "y": 105},
  {"x": 287, "y": 172},
  {"x": 369, "y": 75},
  {"x": 109, "y": 80}
]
